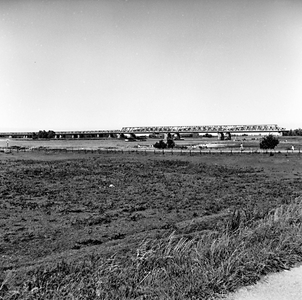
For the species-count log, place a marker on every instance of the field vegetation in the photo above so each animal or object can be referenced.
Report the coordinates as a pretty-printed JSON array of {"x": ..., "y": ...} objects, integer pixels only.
[
  {"x": 269, "y": 142},
  {"x": 250, "y": 143},
  {"x": 136, "y": 226}
]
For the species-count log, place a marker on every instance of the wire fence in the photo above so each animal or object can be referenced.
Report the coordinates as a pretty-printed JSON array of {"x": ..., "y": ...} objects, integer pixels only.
[{"x": 150, "y": 151}]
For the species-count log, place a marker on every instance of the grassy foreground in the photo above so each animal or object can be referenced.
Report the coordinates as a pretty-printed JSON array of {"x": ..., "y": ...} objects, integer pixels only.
[
  {"x": 224, "y": 228},
  {"x": 176, "y": 267}
]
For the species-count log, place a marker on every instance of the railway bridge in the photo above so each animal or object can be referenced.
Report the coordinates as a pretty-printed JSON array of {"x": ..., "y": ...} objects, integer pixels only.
[{"x": 223, "y": 131}]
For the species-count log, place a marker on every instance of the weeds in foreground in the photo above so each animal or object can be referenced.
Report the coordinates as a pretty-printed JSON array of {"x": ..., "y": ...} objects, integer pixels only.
[{"x": 176, "y": 267}]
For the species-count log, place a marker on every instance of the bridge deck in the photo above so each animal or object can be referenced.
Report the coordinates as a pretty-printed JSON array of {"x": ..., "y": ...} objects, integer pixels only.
[{"x": 164, "y": 129}]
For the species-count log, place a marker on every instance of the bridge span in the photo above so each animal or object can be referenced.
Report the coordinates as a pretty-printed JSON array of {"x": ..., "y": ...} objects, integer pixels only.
[
  {"x": 221, "y": 130},
  {"x": 205, "y": 129}
]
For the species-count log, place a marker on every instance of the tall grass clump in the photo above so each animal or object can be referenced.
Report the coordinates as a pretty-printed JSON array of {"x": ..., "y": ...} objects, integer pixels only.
[{"x": 175, "y": 267}]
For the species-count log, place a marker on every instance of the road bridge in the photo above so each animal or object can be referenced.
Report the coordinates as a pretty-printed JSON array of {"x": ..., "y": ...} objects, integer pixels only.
[{"x": 221, "y": 130}]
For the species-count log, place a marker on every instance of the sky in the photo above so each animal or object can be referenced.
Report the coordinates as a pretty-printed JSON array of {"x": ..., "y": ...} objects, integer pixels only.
[{"x": 92, "y": 65}]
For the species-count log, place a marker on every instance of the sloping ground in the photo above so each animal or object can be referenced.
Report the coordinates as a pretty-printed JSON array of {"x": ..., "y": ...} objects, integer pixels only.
[{"x": 144, "y": 227}]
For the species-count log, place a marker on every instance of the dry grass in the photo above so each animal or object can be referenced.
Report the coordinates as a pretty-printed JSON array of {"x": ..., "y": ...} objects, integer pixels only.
[
  {"x": 176, "y": 267},
  {"x": 179, "y": 228}
]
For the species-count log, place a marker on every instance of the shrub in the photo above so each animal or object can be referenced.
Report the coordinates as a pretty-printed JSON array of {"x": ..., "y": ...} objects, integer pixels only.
[
  {"x": 170, "y": 143},
  {"x": 269, "y": 142},
  {"x": 160, "y": 145}
]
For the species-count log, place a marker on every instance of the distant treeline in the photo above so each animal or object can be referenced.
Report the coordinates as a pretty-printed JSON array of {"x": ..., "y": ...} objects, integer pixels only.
[
  {"x": 42, "y": 134},
  {"x": 293, "y": 132}
]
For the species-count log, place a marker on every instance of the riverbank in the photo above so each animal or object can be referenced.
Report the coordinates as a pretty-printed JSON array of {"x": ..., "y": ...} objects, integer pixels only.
[{"x": 157, "y": 215}]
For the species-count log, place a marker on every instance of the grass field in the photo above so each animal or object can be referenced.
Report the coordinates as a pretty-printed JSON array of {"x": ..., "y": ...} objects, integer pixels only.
[
  {"x": 135, "y": 226},
  {"x": 249, "y": 143}
]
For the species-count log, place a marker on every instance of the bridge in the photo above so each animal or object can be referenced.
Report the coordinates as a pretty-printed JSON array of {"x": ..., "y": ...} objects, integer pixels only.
[
  {"x": 221, "y": 130},
  {"x": 205, "y": 129}
]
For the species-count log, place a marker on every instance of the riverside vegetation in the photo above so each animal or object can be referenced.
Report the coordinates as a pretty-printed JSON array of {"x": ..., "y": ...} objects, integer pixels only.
[{"x": 134, "y": 226}]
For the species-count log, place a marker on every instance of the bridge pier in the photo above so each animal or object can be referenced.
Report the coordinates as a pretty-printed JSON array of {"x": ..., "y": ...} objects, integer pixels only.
[
  {"x": 224, "y": 136},
  {"x": 112, "y": 135},
  {"x": 132, "y": 135},
  {"x": 171, "y": 135},
  {"x": 177, "y": 136},
  {"x": 168, "y": 136},
  {"x": 220, "y": 136}
]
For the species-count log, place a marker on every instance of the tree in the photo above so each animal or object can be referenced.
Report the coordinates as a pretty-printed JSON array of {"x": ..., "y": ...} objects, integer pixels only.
[
  {"x": 42, "y": 134},
  {"x": 51, "y": 134},
  {"x": 170, "y": 142},
  {"x": 269, "y": 142},
  {"x": 293, "y": 132},
  {"x": 298, "y": 131}
]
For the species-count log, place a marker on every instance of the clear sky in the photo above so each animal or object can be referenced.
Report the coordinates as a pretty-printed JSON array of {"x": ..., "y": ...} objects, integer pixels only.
[{"x": 89, "y": 64}]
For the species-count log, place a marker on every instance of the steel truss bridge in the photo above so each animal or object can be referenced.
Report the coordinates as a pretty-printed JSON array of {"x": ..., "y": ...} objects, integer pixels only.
[
  {"x": 205, "y": 129},
  {"x": 132, "y": 131}
]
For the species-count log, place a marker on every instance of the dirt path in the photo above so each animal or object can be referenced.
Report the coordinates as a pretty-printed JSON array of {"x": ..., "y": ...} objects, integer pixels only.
[{"x": 286, "y": 285}]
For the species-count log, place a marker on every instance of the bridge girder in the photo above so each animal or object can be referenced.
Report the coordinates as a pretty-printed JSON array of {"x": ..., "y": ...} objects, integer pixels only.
[
  {"x": 205, "y": 129},
  {"x": 226, "y": 129}
]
